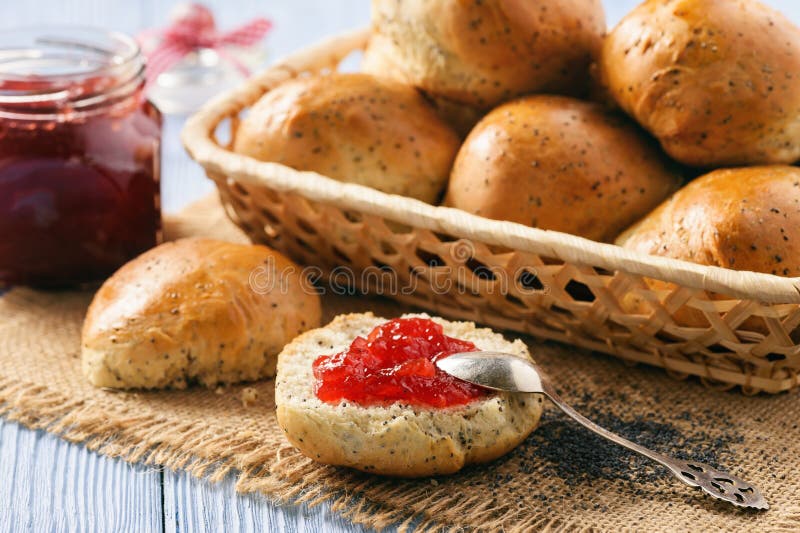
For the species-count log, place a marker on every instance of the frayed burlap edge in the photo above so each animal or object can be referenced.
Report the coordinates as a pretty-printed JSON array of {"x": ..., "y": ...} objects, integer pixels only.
[{"x": 156, "y": 441}]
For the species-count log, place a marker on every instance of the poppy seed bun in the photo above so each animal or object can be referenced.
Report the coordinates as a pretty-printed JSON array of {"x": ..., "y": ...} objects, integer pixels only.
[
  {"x": 397, "y": 439},
  {"x": 484, "y": 53},
  {"x": 561, "y": 164},
  {"x": 195, "y": 310},
  {"x": 354, "y": 128},
  {"x": 461, "y": 117},
  {"x": 716, "y": 81},
  {"x": 738, "y": 218},
  {"x": 742, "y": 219}
]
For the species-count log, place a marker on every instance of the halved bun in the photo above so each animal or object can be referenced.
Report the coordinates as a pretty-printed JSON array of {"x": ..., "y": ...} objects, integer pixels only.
[{"x": 397, "y": 439}]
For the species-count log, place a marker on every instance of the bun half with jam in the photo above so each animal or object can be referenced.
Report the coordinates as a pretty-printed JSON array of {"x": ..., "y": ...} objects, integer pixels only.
[{"x": 438, "y": 427}]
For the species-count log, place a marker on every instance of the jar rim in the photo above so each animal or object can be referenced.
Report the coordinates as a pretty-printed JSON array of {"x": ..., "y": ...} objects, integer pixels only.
[{"x": 42, "y": 65}]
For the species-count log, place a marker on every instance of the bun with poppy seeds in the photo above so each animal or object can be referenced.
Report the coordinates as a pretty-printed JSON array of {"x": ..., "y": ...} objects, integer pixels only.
[
  {"x": 738, "y": 218},
  {"x": 716, "y": 82},
  {"x": 480, "y": 54},
  {"x": 195, "y": 310},
  {"x": 561, "y": 164},
  {"x": 354, "y": 128}
]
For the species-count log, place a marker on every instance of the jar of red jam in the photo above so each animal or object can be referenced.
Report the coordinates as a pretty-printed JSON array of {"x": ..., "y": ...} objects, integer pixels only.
[{"x": 79, "y": 156}]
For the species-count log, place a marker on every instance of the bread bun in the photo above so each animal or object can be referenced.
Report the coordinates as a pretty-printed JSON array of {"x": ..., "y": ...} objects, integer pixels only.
[
  {"x": 354, "y": 128},
  {"x": 742, "y": 219},
  {"x": 397, "y": 439},
  {"x": 739, "y": 218},
  {"x": 195, "y": 310},
  {"x": 483, "y": 53},
  {"x": 377, "y": 61},
  {"x": 717, "y": 82},
  {"x": 561, "y": 164}
]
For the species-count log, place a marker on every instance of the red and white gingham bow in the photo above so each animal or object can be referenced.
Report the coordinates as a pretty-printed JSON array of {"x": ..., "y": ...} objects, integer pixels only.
[{"x": 193, "y": 27}]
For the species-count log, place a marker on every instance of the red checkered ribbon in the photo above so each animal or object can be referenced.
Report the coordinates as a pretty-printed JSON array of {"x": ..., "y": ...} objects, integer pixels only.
[{"x": 194, "y": 28}]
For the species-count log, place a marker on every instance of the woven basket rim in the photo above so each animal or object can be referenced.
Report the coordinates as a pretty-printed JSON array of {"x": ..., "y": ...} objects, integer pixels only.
[{"x": 197, "y": 137}]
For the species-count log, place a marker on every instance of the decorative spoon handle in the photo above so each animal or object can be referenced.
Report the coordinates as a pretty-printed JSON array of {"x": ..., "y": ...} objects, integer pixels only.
[
  {"x": 715, "y": 483},
  {"x": 507, "y": 372}
]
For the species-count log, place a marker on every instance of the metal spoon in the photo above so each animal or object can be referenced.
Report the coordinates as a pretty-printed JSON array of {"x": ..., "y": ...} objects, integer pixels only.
[{"x": 505, "y": 372}]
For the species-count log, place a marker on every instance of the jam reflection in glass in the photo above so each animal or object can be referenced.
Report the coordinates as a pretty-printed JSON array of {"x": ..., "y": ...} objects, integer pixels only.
[
  {"x": 396, "y": 362},
  {"x": 79, "y": 158}
]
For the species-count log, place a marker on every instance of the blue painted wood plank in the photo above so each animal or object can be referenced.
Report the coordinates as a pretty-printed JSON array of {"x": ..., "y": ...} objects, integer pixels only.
[
  {"x": 191, "y": 504},
  {"x": 50, "y": 485}
]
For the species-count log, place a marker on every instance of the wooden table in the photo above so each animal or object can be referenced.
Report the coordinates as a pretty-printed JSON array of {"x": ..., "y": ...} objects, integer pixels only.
[{"x": 49, "y": 485}]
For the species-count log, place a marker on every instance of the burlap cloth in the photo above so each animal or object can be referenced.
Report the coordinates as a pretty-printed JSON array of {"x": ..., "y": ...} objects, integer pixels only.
[{"x": 562, "y": 478}]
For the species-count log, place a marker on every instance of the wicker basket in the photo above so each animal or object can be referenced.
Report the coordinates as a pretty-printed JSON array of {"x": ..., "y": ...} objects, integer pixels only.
[{"x": 547, "y": 284}]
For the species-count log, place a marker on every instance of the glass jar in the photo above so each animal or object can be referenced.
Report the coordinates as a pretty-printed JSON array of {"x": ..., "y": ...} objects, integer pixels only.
[{"x": 79, "y": 156}]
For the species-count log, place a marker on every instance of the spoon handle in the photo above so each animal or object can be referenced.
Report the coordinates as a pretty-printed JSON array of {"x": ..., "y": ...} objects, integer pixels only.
[{"x": 715, "y": 483}]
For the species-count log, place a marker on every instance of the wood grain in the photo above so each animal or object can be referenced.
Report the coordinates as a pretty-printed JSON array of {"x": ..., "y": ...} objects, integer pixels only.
[
  {"x": 47, "y": 484},
  {"x": 194, "y": 505}
]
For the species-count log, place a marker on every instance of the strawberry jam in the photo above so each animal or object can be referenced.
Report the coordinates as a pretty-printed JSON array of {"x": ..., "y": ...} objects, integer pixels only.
[
  {"x": 79, "y": 156},
  {"x": 395, "y": 363}
]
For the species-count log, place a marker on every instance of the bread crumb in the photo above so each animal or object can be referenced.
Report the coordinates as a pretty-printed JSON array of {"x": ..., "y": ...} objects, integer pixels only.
[
  {"x": 249, "y": 396},
  {"x": 434, "y": 482},
  {"x": 219, "y": 391}
]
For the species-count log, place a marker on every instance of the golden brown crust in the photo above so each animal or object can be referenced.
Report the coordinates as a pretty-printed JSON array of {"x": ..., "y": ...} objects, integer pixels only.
[
  {"x": 461, "y": 117},
  {"x": 195, "y": 310},
  {"x": 714, "y": 80},
  {"x": 484, "y": 53},
  {"x": 742, "y": 219},
  {"x": 397, "y": 439},
  {"x": 354, "y": 128},
  {"x": 560, "y": 164}
]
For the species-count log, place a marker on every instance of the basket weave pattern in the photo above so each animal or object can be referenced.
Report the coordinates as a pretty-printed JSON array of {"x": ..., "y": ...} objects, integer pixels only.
[{"x": 547, "y": 284}]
